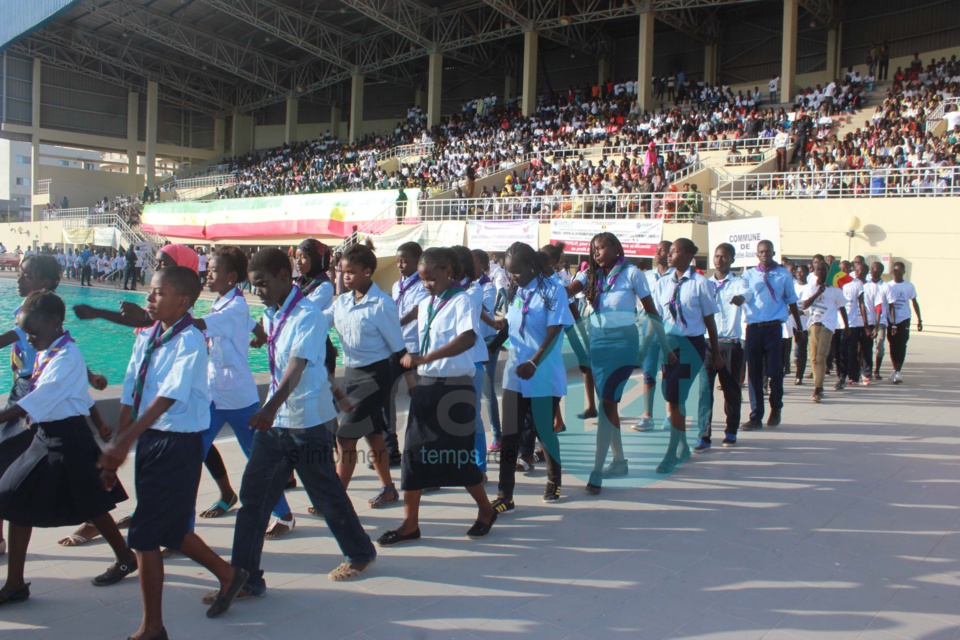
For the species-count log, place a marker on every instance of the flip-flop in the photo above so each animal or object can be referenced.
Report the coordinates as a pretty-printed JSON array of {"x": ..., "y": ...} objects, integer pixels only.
[
  {"x": 280, "y": 528},
  {"x": 220, "y": 508},
  {"x": 73, "y": 540}
]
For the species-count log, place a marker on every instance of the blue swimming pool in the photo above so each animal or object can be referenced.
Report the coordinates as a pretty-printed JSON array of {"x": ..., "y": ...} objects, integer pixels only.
[{"x": 106, "y": 346}]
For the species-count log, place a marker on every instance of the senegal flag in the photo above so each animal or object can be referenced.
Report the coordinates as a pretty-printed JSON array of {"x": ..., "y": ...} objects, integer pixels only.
[{"x": 836, "y": 277}]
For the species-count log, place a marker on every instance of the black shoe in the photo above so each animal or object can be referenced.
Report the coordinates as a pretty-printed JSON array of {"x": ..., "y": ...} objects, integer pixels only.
[
  {"x": 395, "y": 461},
  {"x": 21, "y": 594},
  {"x": 798, "y": 382},
  {"x": 114, "y": 574},
  {"x": 391, "y": 538},
  {"x": 551, "y": 493},
  {"x": 480, "y": 529},
  {"x": 774, "y": 419},
  {"x": 224, "y": 600},
  {"x": 751, "y": 425},
  {"x": 502, "y": 505}
]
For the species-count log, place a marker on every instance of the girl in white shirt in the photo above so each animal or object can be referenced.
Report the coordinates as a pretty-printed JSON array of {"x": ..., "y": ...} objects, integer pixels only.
[
  {"x": 440, "y": 435},
  {"x": 49, "y": 474}
]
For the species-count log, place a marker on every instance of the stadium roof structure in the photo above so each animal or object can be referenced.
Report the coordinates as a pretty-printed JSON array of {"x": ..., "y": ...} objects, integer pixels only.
[{"x": 221, "y": 56}]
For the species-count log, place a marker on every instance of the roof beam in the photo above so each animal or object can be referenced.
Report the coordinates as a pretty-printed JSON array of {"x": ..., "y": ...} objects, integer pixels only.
[{"x": 826, "y": 11}]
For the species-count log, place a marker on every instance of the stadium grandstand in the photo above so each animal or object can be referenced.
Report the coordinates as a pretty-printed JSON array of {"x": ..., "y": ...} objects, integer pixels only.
[{"x": 260, "y": 122}]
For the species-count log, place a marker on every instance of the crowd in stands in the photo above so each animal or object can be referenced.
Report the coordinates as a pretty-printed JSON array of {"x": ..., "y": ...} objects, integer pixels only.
[{"x": 892, "y": 154}]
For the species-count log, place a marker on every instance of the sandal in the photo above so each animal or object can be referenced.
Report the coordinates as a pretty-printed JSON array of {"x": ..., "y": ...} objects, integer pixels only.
[
  {"x": 312, "y": 511},
  {"x": 84, "y": 534},
  {"x": 280, "y": 528},
  {"x": 220, "y": 508},
  {"x": 391, "y": 538},
  {"x": 211, "y": 596},
  {"x": 124, "y": 522},
  {"x": 161, "y": 636},
  {"x": 115, "y": 573},
  {"x": 349, "y": 570},
  {"x": 385, "y": 497}
]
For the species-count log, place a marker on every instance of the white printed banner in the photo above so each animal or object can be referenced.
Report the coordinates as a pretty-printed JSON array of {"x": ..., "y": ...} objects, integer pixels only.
[
  {"x": 498, "y": 235},
  {"x": 638, "y": 237},
  {"x": 427, "y": 234},
  {"x": 744, "y": 234}
]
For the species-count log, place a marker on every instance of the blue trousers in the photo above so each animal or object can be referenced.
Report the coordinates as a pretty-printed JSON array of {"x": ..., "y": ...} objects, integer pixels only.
[
  {"x": 490, "y": 391},
  {"x": 275, "y": 454},
  {"x": 763, "y": 346},
  {"x": 239, "y": 421}
]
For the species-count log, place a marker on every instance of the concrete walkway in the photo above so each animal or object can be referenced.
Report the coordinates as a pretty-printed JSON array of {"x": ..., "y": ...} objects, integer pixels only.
[{"x": 842, "y": 523}]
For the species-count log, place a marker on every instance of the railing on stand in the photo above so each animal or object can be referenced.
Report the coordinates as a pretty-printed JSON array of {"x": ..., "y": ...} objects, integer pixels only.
[
  {"x": 42, "y": 188},
  {"x": 380, "y": 223},
  {"x": 73, "y": 213},
  {"x": 866, "y": 183},
  {"x": 221, "y": 180},
  {"x": 686, "y": 147},
  {"x": 407, "y": 150},
  {"x": 935, "y": 116}
]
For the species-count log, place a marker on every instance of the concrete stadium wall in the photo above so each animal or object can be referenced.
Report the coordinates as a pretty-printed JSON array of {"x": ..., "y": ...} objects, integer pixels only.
[
  {"x": 24, "y": 234},
  {"x": 84, "y": 188}
]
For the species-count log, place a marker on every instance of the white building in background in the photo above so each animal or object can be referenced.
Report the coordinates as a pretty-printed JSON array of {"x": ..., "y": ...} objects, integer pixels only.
[{"x": 16, "y": 189}]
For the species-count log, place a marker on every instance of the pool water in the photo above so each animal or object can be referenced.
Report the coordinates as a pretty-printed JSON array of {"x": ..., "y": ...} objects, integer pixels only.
[{"x": 106, "y": 346}]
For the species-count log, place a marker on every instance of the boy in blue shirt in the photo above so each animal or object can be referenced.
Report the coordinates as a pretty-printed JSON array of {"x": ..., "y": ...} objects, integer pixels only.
[{"x": 165, "y": 407}]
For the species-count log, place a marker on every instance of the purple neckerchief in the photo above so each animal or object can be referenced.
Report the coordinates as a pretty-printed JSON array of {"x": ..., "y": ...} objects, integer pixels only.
[
  {"x": 766, "y": 280},
  {"x": 405, "y": 285},
  {"x": 273, "y": 332},
  {"x": 154, "y": 342},
  {"x": 40, "y": 365},
  {"x": 603, "y": 285},
  {"x": 718, "y": 285},
  {"x": 524, "y": 304},
  {"x": 236, "y": 294},
  {"x": 484, "y": 279}
]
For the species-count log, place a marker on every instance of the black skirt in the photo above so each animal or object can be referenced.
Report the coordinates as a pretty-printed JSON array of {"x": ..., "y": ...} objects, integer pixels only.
[
  {"x": 368, "y": 389},
  {"x": 439, "y": 441},
  {"x": 54, "y": 481}
]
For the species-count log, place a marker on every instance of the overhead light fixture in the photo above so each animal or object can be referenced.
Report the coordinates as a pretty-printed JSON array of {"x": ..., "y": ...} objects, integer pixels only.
[
  {"x": 565, "y": 21},
  {"x": 343, "y": 9}
]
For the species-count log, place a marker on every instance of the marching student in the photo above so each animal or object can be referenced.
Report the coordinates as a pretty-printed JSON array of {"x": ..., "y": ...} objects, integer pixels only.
[
  {"x": 367, "y": 321},
  {"x": 800, "y": 338},
  {"x": 294, "y": 430},
  {"x": 686, "y": 302},
  {"x": 865, "y": 346},
  {"x": 481, "y": 262},
  {"x": 441, "y": 425},
  {"x": 483, "y": 303},
  {"x": 612, "y": 287},
  {"x": 900, "y": 294},
  {"x": 312, "y": 260},
  {"x": 848, "y": 362},
  {"x": 534, "y": 377},
  {"x": 730, "y": 292},
  {"x": 875, "y": 293},
  {"x": 408, "y": 293},
  {"x": 822, "y": 301},
  {"x": 165, "y": 405},
  {"x": 234, "y": 392},
  {"x": 651, "y": 363},
  {"x": 48, "y": 476},
  {"x": 774, "y": 296}
]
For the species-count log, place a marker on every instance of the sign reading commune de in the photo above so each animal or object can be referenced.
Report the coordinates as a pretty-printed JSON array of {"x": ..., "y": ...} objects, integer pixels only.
[
  {"x": 744, "y": 235},
  {"x": 638, "y": 237}
]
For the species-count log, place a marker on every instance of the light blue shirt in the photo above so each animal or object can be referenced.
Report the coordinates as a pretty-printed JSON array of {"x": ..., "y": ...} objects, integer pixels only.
[
  {"x": 764, "y": 307},
  {"x": 411, "y": 299},
  {"x": 322, "y": 296},
  {"x": 475, "y": 294},
  {"x": 304, "y": 336},
  {"x": 550, "y": 378},
  {"x": 369, "y": 330},
  {"x": 728, "y": 317},
  {"x": 618, "y": 307},
  {"x": 696, "y": 301},
  {"x": 489, "y": 302},
  {"x": 228, "y": 338},
  {"x": 178, "y": 372}
]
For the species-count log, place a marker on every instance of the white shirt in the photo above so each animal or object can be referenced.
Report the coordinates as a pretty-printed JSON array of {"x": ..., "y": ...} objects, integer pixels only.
[
  {"x": 455, "y": 318},
  {"x": 178, "y": 371},
  {"x": 729, "y": 317},
  {"x": 202, "y": 262},
  {"x": 618, "y": 306},
  {"x": 304, "y": 336},
  {"x": 875, "y": 295},
  {"x": 851, "y": 293},
  {"x": 550, "y": 379},
  {"x": 696, "y": 301},
  {"x": 899, "y": 295},
  {"x": 411, "y": 299},
  {"x": 61, "y": 389},
  {"x": 228, "y": 336},
  {"x": 489, "y": 301},
  {"x": 825, "y": 309},
  {"x": 369, "y": 330},
  {"x": 475, "y": 293}
]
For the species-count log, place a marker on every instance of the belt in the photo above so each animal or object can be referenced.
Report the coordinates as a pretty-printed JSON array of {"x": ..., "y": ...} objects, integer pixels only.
[
  {"x": 769, "y": 323},
  {"x": 729, "y": 340}
]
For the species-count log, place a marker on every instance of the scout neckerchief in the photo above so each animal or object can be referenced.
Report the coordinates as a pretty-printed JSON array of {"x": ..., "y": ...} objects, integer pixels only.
[
  {"x": 605, "y": 282},
  {"x": 766, "y": 279},
  {"x": 484, "y": 279},
  {"x": 155, "y": 341},
  {"x": 405, "y": 285},
  {"x": 16, "y": 353},
  {"x": 432, "y": 312},
  {"x": 273, "y": 328},
  {"x": 676, "y": 310},
  {"x": 309, "y": 287},
  {"x": 41, "y": 365}
]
